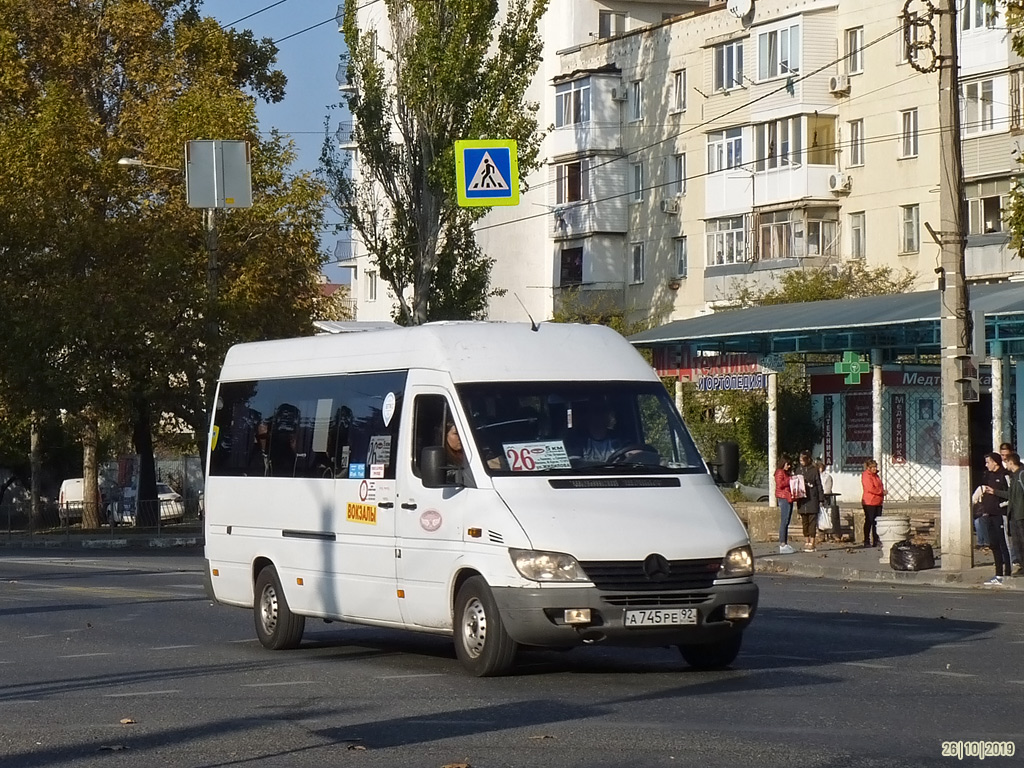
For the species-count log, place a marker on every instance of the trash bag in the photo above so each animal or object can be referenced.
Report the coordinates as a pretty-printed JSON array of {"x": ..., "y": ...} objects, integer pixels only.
[{"x": 907, "y": 556}]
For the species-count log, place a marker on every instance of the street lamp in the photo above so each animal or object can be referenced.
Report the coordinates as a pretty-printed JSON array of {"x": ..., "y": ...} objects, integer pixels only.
[{"x": 139, "y": 164}]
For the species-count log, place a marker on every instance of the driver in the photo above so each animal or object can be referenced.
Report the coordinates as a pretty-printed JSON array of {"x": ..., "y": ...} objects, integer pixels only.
[{"x": 600, "y": 442}]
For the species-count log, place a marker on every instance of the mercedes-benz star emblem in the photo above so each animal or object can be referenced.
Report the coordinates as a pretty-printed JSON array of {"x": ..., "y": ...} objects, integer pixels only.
[{"x": 656, "y": 568}]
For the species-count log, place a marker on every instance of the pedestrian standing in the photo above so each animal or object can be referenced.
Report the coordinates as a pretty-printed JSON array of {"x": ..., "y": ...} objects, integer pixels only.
[
  {"x": 992, "y": 515},
  {"x": 809, "y": 506},
  {"x": 784, "y": 494},
  {"x": 871, "y": 500},
  {"x": 1014, "y": 509}
]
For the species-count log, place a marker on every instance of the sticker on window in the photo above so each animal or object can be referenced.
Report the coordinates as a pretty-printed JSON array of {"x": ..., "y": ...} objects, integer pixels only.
[
  {"x": 388, "y": 409},
  {"x": 536, "y": 457},
  {"x": 379, "y": 451},
  {"x": 356, "y": 471}
]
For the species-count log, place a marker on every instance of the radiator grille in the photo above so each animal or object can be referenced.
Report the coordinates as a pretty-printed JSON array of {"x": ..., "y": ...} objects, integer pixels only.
[
  {"x": 629, "y": 575},
  {"x": 655, "y": 600}
]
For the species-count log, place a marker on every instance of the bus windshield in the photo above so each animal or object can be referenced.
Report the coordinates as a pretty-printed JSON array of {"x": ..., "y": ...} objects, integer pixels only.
[{"x": 554, "y": 428}]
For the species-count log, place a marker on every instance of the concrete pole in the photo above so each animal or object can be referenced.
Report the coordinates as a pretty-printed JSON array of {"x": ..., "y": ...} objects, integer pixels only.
[
  {"x": 876, "y": 406},
  {"x": 1019, "y": 416},
  {"x": 679, "y": 394},
  {"x": 773, "y": 435},
  {"x": 998, "y": 394},
  {"x": 954, "y": 332}
]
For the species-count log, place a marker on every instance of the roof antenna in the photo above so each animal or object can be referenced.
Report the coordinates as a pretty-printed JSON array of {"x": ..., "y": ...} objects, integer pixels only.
[{"x": 533, "y": 324}]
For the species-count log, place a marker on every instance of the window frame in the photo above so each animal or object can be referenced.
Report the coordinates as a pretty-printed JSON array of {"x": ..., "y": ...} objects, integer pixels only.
[
  {"x": 678, "y": 99},
  {"x": 854, "y": 50},
  {"x": 636, "y": 101},
  {"x": 575, "y": 253},
  {"x": 858, "y": 224},
  {"x": 775, "y": 53},
  {"x": 675, "y": 174},
  {"x": 856, "y": 142},
  {"x": 732, "y": 232},
  {"x": 725, "y": 149},
  {"x": 564, "y": 182},
  {"x": 727, "y": 69},
  {"x": 682, "y": 259},
  {"x": 572, "y": 103},
  {"x": 636, "y": 182},
  {"x": 910, "y": 228},
  {"x": 909, "y": 136},
  {"x": 637, "y": 263}
]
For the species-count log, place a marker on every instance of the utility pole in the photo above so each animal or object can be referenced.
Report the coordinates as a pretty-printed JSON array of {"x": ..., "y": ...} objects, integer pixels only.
[{"x": 939, "y": 28}]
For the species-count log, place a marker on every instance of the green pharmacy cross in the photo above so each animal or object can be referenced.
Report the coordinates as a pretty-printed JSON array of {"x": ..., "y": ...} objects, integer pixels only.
[{"x": 854, "y": 366}]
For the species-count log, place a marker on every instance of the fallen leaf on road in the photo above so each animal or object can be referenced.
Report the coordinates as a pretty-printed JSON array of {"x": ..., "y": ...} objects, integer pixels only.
[
  {"x": 457, "y": 765},
  {"x": 358, "y": 747},
  {"x": 543, "y": 736},
  {"x": 127, "y": 721},
  {"x": 112, "y": 748}
]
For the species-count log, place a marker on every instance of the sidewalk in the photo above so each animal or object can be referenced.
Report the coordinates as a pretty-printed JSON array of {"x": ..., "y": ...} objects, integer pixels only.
[
  {"x": 102, "y": 540},
  {"x": 848, "y": 562}
]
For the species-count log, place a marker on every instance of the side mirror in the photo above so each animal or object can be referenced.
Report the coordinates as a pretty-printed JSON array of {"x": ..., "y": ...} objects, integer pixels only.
[
  {"x": 432, "y": 466},
  {"x": 727, "y": 462}
]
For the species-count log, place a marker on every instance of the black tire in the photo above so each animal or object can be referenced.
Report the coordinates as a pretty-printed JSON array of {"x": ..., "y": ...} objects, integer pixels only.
[
  {"x": 277, "y": 628},
  {"x": 709, "y": 656},
  {"x": 481, "y": 642}
]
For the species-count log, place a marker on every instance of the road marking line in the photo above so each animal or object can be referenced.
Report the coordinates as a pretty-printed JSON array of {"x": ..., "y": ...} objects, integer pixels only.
[
  {"x": 947, "y": 674},
  {"x": 139, "y": 693},
  {"x": 406, "y": 677},
  {"x": 796, "y": 658},
  {"x": 272, "y": 685},
  {"x": 251, "y": 640},
  {"x": 67, "y": 631},
  {"x": 171, "y": 647},
  {"x": 865, "y": 664},
  {"x": 85, "y": 655},
  {"x": 19, "y": 701},
  {"x": 1017, "y": 682},
  {"x": 847, "y": 653},
  {"x": 35, "y": 637},
  {"x": 952, "y": 645}
]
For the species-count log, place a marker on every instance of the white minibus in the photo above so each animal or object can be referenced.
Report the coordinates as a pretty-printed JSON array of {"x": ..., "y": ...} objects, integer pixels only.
[{"x": 504, "y": 484}]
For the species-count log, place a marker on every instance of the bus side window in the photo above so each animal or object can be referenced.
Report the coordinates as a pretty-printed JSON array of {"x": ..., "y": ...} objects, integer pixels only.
[{"x": 429, "y": 412}]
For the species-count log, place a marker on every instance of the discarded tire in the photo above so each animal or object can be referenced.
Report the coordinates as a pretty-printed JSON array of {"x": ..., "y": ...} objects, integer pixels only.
[{"x": 907, "y": 556}]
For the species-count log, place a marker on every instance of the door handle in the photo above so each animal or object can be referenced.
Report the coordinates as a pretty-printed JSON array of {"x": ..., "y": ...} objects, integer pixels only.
[
  {"x": 410, "y": 505},
  {"x": 386, "y": 504}
]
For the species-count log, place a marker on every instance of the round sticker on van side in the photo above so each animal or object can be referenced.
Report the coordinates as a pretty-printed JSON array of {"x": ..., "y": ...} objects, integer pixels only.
[
  {"x": 431, "y": 520},
  {"x": 387, "y": 410}
]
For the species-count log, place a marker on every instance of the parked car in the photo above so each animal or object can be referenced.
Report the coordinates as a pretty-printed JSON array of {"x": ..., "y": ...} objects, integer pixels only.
[
  {"x": 751, "y": 493},
  {"x": 72, "y": 498},
  {"x": 172, "y": 507}
]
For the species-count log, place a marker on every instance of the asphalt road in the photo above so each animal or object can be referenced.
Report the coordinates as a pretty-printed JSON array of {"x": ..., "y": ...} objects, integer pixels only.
[{"x": 831, "y": 674}]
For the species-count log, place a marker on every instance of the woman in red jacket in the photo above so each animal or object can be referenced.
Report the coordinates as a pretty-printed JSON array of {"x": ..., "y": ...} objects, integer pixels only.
[
  {"x": 874, "y": 492},
  {"x": 785, "y": 497}
]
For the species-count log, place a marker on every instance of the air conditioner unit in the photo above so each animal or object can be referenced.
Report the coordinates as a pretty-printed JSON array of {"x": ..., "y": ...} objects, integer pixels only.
[
  {"x": 669, "y": 206},
  {"x": 840, "y": 182},
  {"x": 620, "y": 94},
  {"x": 839, "y": 84}
]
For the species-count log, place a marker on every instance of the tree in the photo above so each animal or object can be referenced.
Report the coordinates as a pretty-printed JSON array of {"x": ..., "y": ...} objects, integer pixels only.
[
  {"x": 102, "y": 268},
  {"x": 450, "y": 71},
  {"x": 852, "y": 280}
]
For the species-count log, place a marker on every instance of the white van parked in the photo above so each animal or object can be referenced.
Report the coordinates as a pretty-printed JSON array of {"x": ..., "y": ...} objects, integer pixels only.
[{"x": 578, "y": 512}]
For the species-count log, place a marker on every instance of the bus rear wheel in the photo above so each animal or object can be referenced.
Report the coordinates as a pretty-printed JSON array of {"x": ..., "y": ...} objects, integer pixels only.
[
  {"x": 481, "y": 642},
  {"x": 277, "y": 628}
]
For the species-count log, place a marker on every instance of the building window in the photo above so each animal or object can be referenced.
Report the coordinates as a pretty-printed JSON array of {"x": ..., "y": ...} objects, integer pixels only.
[
  {"x": 637, "y": 191},
  {"x": 778, "y": 52},
  {"x": 675, "y": 174},
  {"x": 984, "y": 206},
  {"x": 678, "y": 98},
  {"x": 571, "y": 267},
  {"x": 977, "y": 14},
  {"x": 638, "y": 262},
  {"x": 854, "y": 50},
  {"x": 908, "y": 133},
  {"x": 822, "y": 236},
  {"x": 777, "y": 144},
  {"x": 908, "y": 41},
  {"x": 725, "y": 149},
  {"x": 680, "y": 250},
  {"x": 976, "y": 109},
  {"x": 572, "y": 102},
  {"x": 636, "y": 100},
  {"x": 856, "y": 142},
  {"x": 726, "y": 241},
  {"x": 728, "y": 65},
  {"x": 910, "y": 217},
  {"x": 776, "y": 236},
  {"x": 371, "y": 286},
  {"x": 821, "y": 139},
  {"x": 610, "y": 23},
  {"x": 572, "y": 182},
  {"x": 857, "y": 235}
]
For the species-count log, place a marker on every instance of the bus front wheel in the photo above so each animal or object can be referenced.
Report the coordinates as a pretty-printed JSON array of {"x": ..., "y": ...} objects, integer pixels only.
[
  {"x": 711, "y": 656},
  {"x": 481, "y": 642},
  {"x": 277, "y": 627}
]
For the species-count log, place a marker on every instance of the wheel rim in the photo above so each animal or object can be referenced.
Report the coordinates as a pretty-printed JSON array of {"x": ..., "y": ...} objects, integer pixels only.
[
  {"x": 268, "y": 609},
  {"x": 474, "y": 628}
]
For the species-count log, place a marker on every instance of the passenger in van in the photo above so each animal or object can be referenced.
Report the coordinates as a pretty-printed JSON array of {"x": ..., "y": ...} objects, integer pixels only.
[
  {"x": 600, "y": 443},
  {"x": 455, "y": 456},
  {"x": 259, "y": 457}
]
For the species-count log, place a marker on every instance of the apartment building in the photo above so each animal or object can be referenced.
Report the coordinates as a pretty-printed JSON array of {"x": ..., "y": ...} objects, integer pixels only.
[{"x": 694, "y": 149}]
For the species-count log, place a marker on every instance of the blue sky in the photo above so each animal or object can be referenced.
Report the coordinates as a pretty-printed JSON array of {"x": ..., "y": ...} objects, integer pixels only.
[{"x": 310, "y": 61}]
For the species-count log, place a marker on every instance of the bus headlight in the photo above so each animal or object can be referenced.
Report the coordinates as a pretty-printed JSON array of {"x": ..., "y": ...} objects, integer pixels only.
[
  {"x": 738, "y": 562},
  {"x": 547, "y": 566}
]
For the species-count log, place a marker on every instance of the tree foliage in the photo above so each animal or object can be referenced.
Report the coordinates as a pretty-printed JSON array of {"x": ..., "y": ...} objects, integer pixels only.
[
  {"x": 854, "y": 279},
  {"x": 449, "y": 70},
  {"x": 103, "y": 268}
]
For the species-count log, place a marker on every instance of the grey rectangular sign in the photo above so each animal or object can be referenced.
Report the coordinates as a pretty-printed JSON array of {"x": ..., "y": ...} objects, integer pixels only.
[{"x": 218, "y": 174}]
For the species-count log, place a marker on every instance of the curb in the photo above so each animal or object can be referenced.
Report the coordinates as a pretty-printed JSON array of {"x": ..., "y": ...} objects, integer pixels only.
[
  {"x": 933, "y": 577},
  {"x": 118, "y": 543}
]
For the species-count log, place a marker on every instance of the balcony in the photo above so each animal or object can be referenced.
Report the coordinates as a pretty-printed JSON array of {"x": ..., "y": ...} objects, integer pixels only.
[
  {"x": 737, "y": 190},
  {"x": 580, "y": 138},
  {"x": 573, "y": 220}
]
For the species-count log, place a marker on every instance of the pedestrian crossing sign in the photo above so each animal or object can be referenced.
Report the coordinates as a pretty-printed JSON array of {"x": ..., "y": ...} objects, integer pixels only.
[{"x": 486, "y": 172}]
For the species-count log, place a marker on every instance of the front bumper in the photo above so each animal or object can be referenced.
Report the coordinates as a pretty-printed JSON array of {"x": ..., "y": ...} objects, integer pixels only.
[{"x": 534, "y": 615}]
